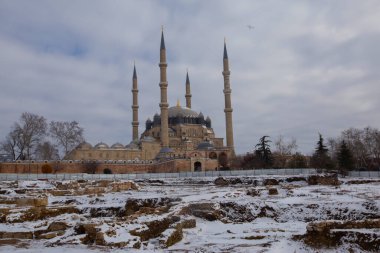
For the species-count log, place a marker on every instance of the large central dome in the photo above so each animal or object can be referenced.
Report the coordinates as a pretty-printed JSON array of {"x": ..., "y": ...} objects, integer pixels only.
[
  {"x": 178, "y": 115},
  {"x": 176, "y": 111}
]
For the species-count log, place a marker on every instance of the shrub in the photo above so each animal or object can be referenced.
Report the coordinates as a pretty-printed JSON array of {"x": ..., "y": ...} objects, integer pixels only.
[
  {"x": 46, "y": 168},
  {"x": 107, "y": 171},
  {"x": 90, "y": 167}
]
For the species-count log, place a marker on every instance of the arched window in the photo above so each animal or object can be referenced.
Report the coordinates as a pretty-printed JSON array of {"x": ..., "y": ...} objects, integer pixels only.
[
  {"x": 213, "y": 155},
  {"x": 197, "y": 166}
]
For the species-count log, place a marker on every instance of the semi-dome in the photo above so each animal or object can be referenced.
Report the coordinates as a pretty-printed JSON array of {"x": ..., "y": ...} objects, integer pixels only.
[
  {"x": 117, "y": 145},
  {"x": 181, "y": 112},
  {"x": 84, "y": 145},
  {"x": 148, "y": 139},
  {"x": 101, "y": 145},
  {"x": 164, "y": 153},
  {"x": 166, "y": 150},
  {"x": 133, "y": 145},
  {"x": 205, "y": 145}
]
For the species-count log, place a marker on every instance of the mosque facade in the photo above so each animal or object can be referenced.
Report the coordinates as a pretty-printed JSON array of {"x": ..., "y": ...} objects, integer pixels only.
[{"x": 177, "y": 133}]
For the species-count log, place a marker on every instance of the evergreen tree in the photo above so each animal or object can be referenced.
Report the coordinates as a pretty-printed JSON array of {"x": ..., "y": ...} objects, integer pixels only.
[
  {"x": 321, "y": 147},
  {"x": 320, "y": 158},
  {"x": 263, "y": 151},
  {"x": 345, "y": 158}
]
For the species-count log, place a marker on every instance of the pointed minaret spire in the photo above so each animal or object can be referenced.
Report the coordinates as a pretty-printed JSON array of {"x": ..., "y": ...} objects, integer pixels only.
[
  {"x": 225, "y": 55},
  {"x": 134, "y": 71},
  {"x": 135, "y": 106},
  {"x": 162, "y": 38},
  {"x": 164, "y": 95},
  {"x": 227, "y": 101},
  {"x": 188, "y": 92}
]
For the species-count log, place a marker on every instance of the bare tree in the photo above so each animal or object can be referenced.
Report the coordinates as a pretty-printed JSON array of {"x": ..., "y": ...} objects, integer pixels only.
[
  {"x": 364, "y": 144},
  {"x": 298, "y": 161},
  {"x": 371, "y": 140},
  {"x": 24, "y": 136},
  {"x": 11, "y": 144},
  {"x": 283, "y": 151},
  {"x": 354, "y": 139},
  {"x": 285, "y": 148},
  {"x": 333, "y": 146},
  {"x": 47, "y": 151},
  {"x": 32, "y": 129},
  {"x": 67, "y": 134}
]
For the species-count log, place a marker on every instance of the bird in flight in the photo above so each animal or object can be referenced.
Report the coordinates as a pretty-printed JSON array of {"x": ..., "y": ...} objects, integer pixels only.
[{"x": 250, "y": 27}]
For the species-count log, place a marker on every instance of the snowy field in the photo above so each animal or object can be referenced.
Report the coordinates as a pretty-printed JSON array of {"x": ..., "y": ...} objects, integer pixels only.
[{"x": 246, "y": 214}]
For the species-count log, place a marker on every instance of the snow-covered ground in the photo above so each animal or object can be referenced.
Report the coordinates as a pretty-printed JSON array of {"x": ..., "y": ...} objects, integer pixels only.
[{"x": 227, "y": 218}]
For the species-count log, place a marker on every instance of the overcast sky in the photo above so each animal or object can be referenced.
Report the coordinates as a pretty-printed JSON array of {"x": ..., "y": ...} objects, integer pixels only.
[{"x": 305, "y": 67}]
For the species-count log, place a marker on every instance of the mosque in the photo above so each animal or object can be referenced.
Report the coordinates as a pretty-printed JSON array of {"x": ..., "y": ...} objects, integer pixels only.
[{"x": 177, "y": 133}]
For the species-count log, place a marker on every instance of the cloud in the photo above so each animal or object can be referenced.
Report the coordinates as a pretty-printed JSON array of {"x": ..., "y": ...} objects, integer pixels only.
[{"x": 306, "y": 67}]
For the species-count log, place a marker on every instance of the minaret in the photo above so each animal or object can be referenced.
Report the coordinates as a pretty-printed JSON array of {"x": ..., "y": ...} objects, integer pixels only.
[
  {"x": 188, "y": 92},
  {"x": 227, "y": 101},
  {"x": 164, "y": 95},
  {"x": 135, "y": 106}
]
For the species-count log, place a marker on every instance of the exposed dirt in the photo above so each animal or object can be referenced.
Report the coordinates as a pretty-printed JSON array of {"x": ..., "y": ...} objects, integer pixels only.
[
  {"x": 207, "y": 211},
  {"x": 330, "y": 234},
  {"x": 170, "y": 214},
  {"x": 149, "y": 205},
  {"x": 328, "y": 179}
]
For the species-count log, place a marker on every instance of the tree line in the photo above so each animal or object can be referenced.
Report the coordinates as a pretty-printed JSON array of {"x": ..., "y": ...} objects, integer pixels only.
[
  {"x": 33, "y": 138},
  {"x": 355, "y": 148}
]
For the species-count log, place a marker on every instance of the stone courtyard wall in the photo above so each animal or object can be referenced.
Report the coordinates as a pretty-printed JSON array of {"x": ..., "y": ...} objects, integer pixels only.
[
  {"x": 177, "y": 165},
  {"x": 80, "y": 167}
]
